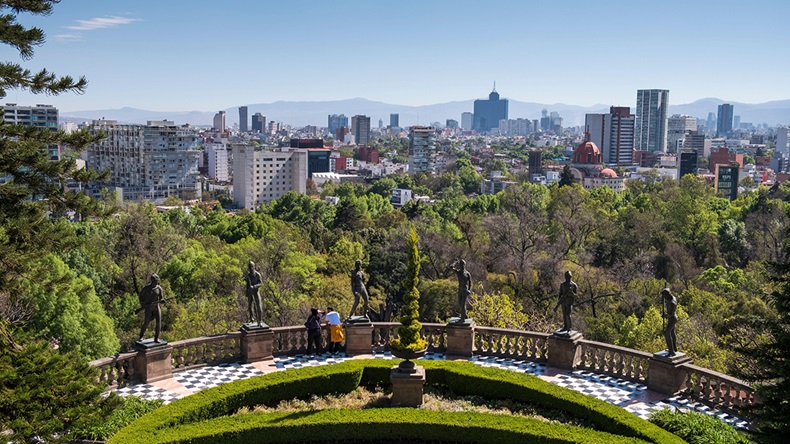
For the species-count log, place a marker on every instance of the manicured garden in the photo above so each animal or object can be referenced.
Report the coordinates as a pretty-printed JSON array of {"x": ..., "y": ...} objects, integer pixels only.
[{"x": 219, "y": 415}]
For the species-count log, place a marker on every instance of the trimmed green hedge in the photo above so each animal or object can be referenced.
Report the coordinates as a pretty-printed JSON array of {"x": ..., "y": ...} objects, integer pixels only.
[{"x": 203, "y": 417}]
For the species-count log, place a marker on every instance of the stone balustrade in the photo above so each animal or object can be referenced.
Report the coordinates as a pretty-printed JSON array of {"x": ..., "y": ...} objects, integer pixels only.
[
  {"x": 115, "y": 369},
  {"x": 620, "y": 362},
  {"x": 659, "y": 373},
  {"x": 207, "y": 350},
  {"x": 715, "y": 388},
  {"x": 508, "y": 343}
]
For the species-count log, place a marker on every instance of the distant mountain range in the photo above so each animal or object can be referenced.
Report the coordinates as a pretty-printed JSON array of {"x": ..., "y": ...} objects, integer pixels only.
[{"x": 315, "y": 113}]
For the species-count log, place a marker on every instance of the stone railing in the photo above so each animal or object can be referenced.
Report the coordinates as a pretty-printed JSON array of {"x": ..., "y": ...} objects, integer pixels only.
[
  {"x": 668, "y": 375},
  {"x": 620, "y": 362},
  {"x": 115, "y": 369},
  {"x": 435, "y": 334},
  {"x": 716, "y": 388},
  {"x": 196, "y": 352},
  {"x": 507, "y": 343}
]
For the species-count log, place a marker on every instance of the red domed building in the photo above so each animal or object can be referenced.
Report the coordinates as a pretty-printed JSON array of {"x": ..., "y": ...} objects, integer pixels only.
[{"x": 588, "y": 167}]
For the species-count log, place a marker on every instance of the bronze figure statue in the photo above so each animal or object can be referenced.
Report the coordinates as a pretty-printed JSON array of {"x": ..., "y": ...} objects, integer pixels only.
[
  {"x": 464, "y": 286},
  {"x": 670, "y": 306},
  {"x": 254, "y": 282},
  {"x": 566, "y": 299},
  {"x": 150, "y": 298},
  {"x": 358, "y": 289}
]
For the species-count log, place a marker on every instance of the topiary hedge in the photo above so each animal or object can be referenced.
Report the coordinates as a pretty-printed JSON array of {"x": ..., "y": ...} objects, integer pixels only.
[{"x": 205, "y": 416}]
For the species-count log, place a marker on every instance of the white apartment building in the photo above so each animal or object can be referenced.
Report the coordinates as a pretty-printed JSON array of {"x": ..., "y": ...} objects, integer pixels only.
[
  {"x": 218, "y": 166},
  {"x": 39, "y": 116},
  {"x": 262, "y": 176},
  {"x": 782, "y": 139},
  {"x": 146, "y": 162},
  {"x": 515, "y": 127}
]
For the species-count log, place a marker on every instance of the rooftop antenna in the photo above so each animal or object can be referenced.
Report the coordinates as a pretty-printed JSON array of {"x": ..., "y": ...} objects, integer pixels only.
[{"x": 494, "y": 85}]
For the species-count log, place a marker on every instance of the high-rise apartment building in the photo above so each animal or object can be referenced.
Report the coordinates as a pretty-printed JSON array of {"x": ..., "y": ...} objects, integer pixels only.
[
  {"x": 677, "y": 128},
  {"x": 395, "y": 120},
  {"x": 148, "y": 162},
  {"x": 488, "y": 113},
  {"x": 219, "y": 121},
  {"x": 696, "y": 141},
  {"x": 515, "y": 127},
  {"x": 651, "y": 120},
  {"x": 39, "y": 116},
  {"x": 258, "y": 123},
  {"x": 335, "y": 121},
  {"x": 422, "y": 150},
  {"x": 782, "y": 139},
  {"x": 466, "y": 121},
  {"x": 613, "y": 133},
  {"x": 360, "y": 126},
  {"x": 724, "y": 120},
  {"x": 217, "y": 161},
  {"x": 262, "y": 176},
  {"x": 243, "y": 127}
]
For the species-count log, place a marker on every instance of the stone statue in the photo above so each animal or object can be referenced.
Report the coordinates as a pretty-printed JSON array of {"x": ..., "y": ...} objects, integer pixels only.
[
  {"x": 254, "y": 282},
  {"x": 358, "y": 289},
  {"x": 566, "y": 299},
  {"x": 670, "y": 306},
  {"x": 464, "y": 286},
  {"x": 150, "y": 298}
]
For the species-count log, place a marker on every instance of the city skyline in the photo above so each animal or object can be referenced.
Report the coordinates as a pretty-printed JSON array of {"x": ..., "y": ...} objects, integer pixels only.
[{"x": 166, "y": 56}]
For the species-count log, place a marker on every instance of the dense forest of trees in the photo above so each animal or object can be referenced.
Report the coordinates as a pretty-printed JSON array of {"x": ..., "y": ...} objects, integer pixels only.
[{"x": 621, "y": 248}]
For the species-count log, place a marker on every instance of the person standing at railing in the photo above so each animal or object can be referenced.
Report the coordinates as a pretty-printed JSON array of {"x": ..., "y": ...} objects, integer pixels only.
[
  {"x": 313, "y": 325},
  {"x": 335, "y": 330}
]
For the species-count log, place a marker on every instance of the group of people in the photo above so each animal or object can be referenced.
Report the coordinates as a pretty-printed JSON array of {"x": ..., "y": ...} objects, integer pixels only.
[{"x": 151, "y": 296}]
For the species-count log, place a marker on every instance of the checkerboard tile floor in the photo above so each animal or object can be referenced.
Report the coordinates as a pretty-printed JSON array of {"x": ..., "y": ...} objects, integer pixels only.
[
  {"x": 518, "y": 365},
  {"x": 147, "y": 391},
  {"x": 616, "y": 391},
  {"x": 205, "y": 377}
]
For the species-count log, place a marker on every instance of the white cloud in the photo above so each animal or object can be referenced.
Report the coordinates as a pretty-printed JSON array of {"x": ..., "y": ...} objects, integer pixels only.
[
  {"x": 68, "y": 38},
  {"x": 101, "y": 22}
]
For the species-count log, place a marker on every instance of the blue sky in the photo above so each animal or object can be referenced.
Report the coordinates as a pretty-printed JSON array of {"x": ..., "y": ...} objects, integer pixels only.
[{"x": 174, "y": 55}]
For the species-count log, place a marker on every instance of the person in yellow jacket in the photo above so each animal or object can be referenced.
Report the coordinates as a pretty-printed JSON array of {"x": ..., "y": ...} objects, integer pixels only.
[{"x": 335, "y": 330}]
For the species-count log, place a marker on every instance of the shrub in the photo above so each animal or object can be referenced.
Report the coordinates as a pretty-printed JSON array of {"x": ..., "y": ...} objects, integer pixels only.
[
  {"x": 697, "y": 428},
  {"x": 129, "y": 409},
  {"x": 204, "y": 417}
]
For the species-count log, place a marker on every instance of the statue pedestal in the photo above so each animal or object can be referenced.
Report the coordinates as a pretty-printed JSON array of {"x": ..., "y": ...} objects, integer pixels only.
[
  {"x": 665, "y": 373},
  {"x": 154, "y": 360},
  {"x": 407, "y": 388},
  {"x": 460, "y": 337},
  {"x": 564, "y": 350},
  {"x": 359, "y": 336},
  {"x": 257, "y": 342}
]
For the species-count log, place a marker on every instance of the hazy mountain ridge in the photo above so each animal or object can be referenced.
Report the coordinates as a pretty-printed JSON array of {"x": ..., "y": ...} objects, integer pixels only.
[{"x": 316, "y": 112}]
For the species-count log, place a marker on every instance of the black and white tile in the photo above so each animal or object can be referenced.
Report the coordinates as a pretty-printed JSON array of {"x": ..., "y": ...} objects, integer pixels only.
[
  {"x": 205, "y": 377},
  {"x": 147, "y": 391},
  {"x": 517, "y": 365}
]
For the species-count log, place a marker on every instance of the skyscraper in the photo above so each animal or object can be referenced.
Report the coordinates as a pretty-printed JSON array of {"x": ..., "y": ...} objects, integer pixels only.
[
  {"x": 651, "y": 120},
  {"x": 258, "y": 123},
  {"x": 394, "y": 120},
  {"x": 724, "y": 121},
  {"x": 219, "y": 121},
  {"x": 614, "y": 134},
  {"x": 422, "y": 152},
  {"x": 243, "y": 119},
  {"x": 466, "y": 121},
  {"x": 360, "y": 125},
  {"x": 489, "y": 112},
  {"x": 335, "y": 121},
  {"x": 782, "y": 134}
]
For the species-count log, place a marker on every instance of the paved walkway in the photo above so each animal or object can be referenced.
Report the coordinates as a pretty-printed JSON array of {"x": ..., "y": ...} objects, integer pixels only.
[{"x": 634, "y": 397}]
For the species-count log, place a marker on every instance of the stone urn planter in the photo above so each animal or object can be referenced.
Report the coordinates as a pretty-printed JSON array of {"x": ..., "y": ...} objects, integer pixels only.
[{"x": 407, "y": 366}]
